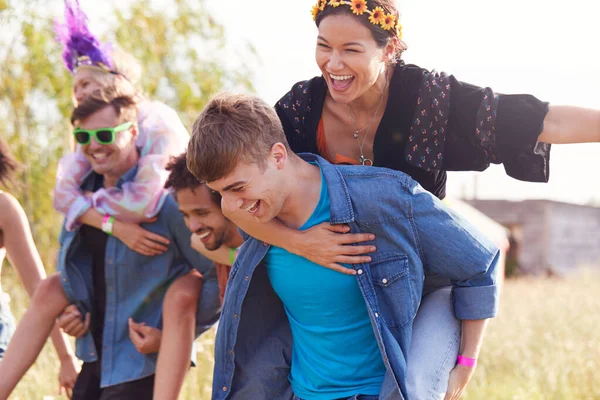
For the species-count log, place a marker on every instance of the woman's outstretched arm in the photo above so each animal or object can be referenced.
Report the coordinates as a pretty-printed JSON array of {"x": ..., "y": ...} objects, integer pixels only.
[{"x": 567, "y": 124}]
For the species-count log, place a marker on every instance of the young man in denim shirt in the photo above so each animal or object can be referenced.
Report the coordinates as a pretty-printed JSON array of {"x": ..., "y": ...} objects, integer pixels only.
[
  {"x": 291, "y": 329},
  {"x": 215, "y": 235},
  {"x": 102, "y": 276}
]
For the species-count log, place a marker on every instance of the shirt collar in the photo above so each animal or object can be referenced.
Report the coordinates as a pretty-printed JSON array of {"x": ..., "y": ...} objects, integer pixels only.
[
  {"x": 90, "y": 179},
  {"x": 339, "y": 197}
]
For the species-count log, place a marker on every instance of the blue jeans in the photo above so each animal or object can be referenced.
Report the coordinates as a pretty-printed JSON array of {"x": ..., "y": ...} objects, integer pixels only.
[
  {"x": 7, "y": 323},
  {"x": 434, "y": 346}
]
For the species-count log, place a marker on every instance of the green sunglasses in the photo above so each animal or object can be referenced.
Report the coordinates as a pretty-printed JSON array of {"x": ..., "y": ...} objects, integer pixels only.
[{"x": 102, "y": 135}]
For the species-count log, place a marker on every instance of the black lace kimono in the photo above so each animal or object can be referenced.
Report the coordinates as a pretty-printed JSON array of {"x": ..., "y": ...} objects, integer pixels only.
[{"x": 432, "y": 124}]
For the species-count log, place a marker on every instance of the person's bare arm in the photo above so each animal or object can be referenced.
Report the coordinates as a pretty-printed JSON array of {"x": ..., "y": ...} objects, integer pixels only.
[
  {"x": 472, "y": 337},
  {"x": 324, "y": 244},
  {"x": 24, "y": 257},
  {"x": 92, "y": 218},
  {"x": 471, "y": 341},
  {"x": 221, "y": 255},
  {"x": 567, "y": 124},
  {"x": 132, "y": 235}
]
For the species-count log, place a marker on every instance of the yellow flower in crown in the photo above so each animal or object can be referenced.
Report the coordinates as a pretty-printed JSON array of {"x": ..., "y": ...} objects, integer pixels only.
[
  {"x": 399, "y": 30},
  {"x": 358, "y": 7},
  {"x": 377, "y": 16},
  {"x": 315, "y": 10},
  {"x": 322, "y": 4},
  {"x": 334, "y": 3},
  {"x": 388, "y": 22}
]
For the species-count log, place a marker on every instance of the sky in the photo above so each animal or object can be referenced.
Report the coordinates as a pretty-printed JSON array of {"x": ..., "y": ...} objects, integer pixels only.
[{"x": 543, "y": 48}]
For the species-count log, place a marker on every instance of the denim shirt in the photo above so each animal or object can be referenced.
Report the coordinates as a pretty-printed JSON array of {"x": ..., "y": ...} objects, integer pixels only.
[
  {"x": 414, "y": 233},
  {"x": 135, "y": 287}
]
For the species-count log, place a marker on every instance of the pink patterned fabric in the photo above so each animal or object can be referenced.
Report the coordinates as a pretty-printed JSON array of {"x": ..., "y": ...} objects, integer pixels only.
[{"x": 162, "y": 135}]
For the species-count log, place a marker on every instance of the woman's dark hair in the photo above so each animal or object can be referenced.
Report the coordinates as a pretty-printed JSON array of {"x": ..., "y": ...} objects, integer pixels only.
[
  {"x": 8, "y": 164},
  {"x": 380, "y": 35}
]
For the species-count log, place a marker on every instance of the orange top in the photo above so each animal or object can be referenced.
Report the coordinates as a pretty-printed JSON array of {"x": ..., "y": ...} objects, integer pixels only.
[
  {"x": 323, "y": 152},
  {"x": 222, "y": 277}
]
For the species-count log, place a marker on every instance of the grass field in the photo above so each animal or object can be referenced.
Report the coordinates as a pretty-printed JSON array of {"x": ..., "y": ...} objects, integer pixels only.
[{"x": 545, "y": 344}]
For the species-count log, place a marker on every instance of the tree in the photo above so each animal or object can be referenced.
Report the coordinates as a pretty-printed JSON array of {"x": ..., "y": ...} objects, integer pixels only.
[
  {"x": 34, "y": 100},
  {"x": 181, "y": 47}
]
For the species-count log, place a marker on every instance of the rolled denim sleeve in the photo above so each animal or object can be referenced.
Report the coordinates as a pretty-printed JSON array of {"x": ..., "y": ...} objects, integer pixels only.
[{"x": 453, "y": 248}]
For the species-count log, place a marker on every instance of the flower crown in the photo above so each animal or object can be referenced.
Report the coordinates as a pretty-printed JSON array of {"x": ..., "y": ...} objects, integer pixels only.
[{"x": 377, "y": 16}]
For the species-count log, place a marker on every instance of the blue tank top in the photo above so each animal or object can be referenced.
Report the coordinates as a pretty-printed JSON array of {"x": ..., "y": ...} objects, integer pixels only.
[{"x": 334, "y": 353}]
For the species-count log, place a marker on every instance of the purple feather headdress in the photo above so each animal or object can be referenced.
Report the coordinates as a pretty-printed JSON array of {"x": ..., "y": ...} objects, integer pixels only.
[{"x": 80, "y": 47}]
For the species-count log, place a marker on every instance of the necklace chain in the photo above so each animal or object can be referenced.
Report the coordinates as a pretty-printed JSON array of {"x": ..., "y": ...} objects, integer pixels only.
[{"x": 363, "y": 160}]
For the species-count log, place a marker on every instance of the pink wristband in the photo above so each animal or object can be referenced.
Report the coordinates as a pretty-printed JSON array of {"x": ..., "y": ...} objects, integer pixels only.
[
  {"x": 107, "y": 224},
  {"x": 466, "y": 361}
]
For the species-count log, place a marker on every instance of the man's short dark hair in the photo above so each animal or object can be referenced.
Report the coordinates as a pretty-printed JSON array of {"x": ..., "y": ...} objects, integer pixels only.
[{"x": 180, "y": 178}]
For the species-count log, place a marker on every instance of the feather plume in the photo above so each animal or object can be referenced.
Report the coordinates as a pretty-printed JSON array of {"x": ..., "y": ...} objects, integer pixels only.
[{"x": 78, "y": 41}]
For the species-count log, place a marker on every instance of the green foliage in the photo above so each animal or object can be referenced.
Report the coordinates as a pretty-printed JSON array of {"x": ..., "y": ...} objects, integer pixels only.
[
  {"x": 184, "y": 47},
  {"x": 35, "y": 97},
  {"x": 180, "y": 51}
]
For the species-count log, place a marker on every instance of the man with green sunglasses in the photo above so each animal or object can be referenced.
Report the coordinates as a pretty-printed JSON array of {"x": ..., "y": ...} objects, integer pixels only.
[
  {"x": 102, "y": 135},
  {"x": 105, "y": 279},
  {"x": 107, "y": 142}
]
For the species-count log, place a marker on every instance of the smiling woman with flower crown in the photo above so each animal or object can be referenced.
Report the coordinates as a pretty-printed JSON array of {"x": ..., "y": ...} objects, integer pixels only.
[{"x": 370, "y": 108}]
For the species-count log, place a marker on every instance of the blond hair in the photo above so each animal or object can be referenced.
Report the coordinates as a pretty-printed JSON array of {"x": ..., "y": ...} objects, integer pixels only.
[{"x": 126, "y": 78}]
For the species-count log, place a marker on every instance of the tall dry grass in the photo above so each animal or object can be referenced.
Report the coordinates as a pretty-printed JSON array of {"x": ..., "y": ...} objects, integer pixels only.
[{"x": 545, "y": 344}]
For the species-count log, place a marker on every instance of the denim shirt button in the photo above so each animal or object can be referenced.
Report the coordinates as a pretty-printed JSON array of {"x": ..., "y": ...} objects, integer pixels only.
[
  {"x": 224, "y": 388},
  {"x": 376, "y": 315},
  {"x": 360, "y": 271},
  {"x": 234, "y": 315},
  {"x": 384, "y": 281}
]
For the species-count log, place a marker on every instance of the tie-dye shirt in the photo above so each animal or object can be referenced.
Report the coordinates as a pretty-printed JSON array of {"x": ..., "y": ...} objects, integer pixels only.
[{"x": 161, "y": 135}]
